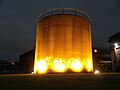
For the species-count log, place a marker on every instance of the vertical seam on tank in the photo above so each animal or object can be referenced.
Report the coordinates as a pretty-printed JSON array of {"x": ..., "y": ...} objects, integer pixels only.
[{"x": 73, "y": 49}]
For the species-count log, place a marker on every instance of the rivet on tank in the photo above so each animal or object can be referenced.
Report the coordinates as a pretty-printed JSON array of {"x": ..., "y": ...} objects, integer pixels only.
[{"x": 63, "y": 42}]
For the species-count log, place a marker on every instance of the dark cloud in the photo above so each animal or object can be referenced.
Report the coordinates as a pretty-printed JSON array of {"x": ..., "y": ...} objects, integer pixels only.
[
  {"x": 1, "y": 1},
  {"x": 117, "y": 1}
]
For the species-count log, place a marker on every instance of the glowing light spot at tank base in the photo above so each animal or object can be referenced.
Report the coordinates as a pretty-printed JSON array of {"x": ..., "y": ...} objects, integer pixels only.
[
  {"x": 76, "y": 65},
  {"x": 59, "y": 65},
  {"x": 62, "y": 65},
  {"x": 41, "y": 67},
  {"x": 97, "y": 72}
]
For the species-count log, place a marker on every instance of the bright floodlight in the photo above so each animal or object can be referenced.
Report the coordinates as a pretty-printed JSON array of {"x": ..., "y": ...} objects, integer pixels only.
[
  {"x": 116, "y": 45},
  {"x": 97, "y": 71}
]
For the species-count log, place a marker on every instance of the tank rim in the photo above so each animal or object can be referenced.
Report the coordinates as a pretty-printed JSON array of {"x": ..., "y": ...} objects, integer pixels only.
[{"x": 70, "y": 11}]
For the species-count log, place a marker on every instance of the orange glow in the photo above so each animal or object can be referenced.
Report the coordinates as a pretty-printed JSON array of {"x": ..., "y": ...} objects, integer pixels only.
[
  {"x": 76, "y": 66},
  {"x": 63, "y": 43},
  {"x": 89, "y": 66},
  {"x": 40, "y": 67},
  {"x": 59, "y": 65},
  {"x": 62, "y": 65}
]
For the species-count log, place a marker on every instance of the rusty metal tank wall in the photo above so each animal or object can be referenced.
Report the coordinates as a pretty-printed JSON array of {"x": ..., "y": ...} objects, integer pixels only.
[{"x": 63, "y": 36}]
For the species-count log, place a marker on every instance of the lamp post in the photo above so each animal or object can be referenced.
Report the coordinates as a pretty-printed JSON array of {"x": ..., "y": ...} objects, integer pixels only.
[{"x": 94, "y": 58}]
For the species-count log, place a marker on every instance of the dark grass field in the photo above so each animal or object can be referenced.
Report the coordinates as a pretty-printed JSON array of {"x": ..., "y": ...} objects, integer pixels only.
[{"x": 83, "y": 81}]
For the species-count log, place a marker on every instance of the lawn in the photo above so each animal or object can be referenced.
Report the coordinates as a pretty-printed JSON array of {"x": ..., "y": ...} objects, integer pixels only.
[{"x": 81, "y": 81}]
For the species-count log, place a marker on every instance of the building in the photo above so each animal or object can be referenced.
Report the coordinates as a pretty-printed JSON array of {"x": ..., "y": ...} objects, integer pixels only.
[
  {"x": 26, "y": 62},
  {"x": 8, "y": 67},
  {"x": 114, "y": 42},
  {"x": 102, "y": 59}
]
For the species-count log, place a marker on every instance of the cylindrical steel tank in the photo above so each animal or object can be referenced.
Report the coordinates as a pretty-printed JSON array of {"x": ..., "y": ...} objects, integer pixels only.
[{"x": 63, "y": 37}]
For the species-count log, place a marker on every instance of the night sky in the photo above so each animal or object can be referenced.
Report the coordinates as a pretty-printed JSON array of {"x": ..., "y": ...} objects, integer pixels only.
[{"x": 18, "y": 20}]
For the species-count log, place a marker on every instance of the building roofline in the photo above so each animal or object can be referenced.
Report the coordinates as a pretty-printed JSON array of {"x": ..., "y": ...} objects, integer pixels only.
[{"x": 114, "y": 38}]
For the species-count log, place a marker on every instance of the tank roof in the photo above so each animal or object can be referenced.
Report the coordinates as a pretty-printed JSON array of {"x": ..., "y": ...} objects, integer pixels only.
[{"x": 71, "y": 11}]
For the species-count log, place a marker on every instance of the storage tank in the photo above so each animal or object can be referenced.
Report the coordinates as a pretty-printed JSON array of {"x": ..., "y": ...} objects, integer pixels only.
[{"x": 63, "y": 42}]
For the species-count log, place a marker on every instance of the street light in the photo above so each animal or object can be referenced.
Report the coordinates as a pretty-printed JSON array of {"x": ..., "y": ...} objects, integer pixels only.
[
  {"x": 94, "y": 59},
  {"x": 95, "y": 50},
  {"x": 116, "y": 45}
]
